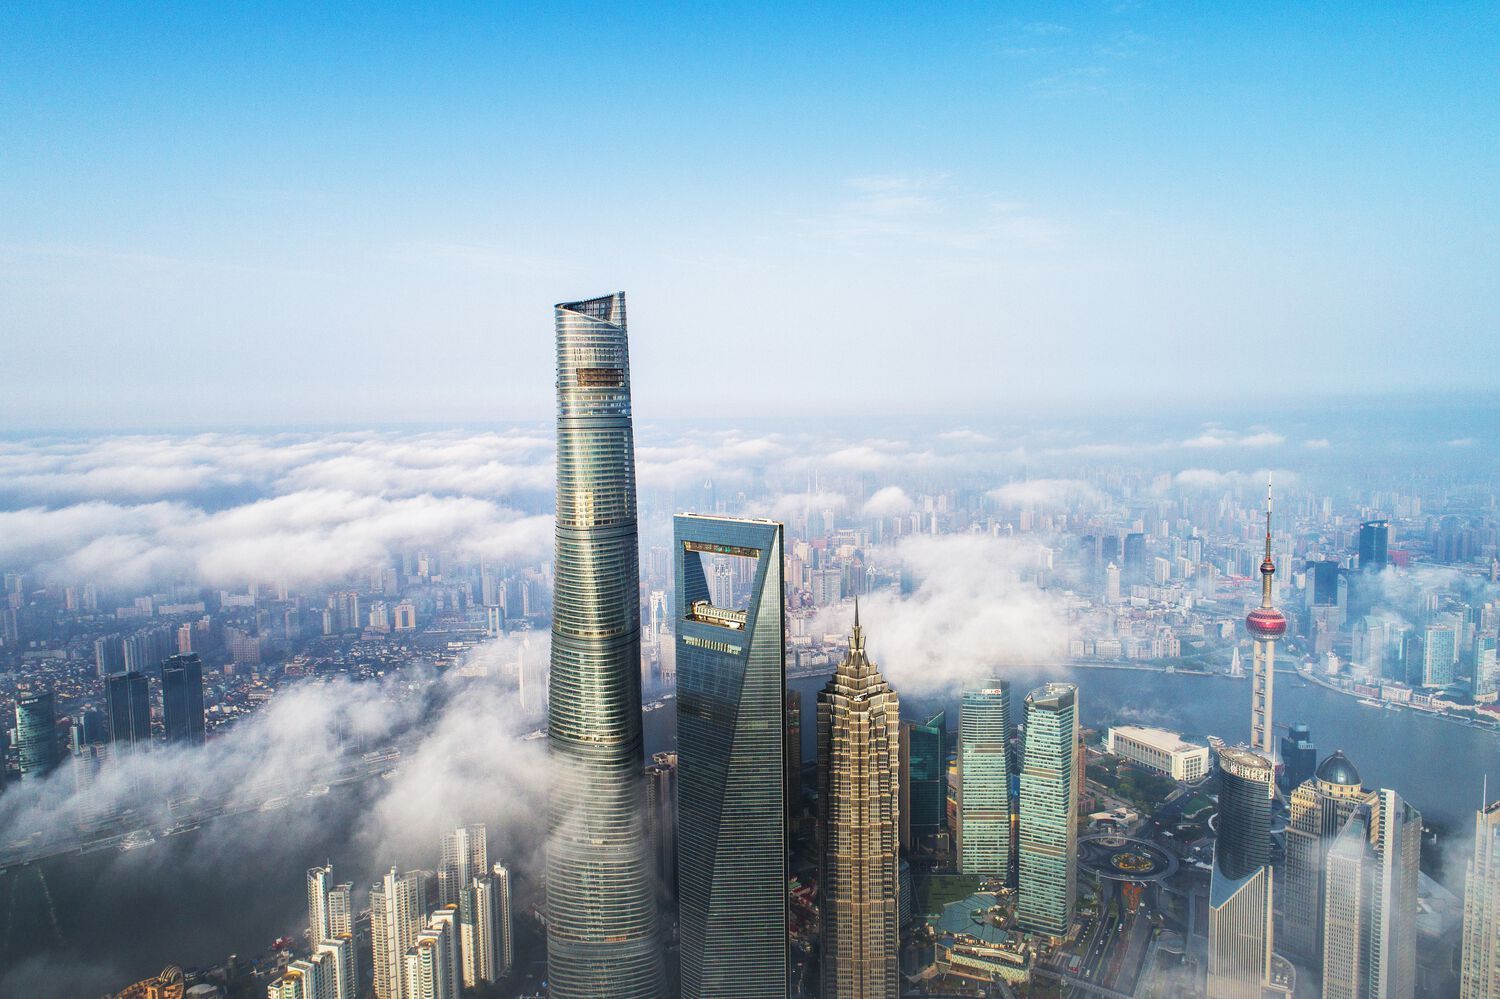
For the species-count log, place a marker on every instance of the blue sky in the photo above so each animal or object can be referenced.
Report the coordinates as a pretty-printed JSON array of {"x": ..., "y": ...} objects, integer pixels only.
[{"x": 220, "y": 214}]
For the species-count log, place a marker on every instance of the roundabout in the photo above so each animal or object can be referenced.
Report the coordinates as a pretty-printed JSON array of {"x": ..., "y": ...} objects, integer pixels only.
[{"x": 1125, "y": 858}]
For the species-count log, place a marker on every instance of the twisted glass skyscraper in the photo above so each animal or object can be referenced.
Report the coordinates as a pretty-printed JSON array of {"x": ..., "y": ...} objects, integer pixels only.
[{"x": 601, "y": 909}]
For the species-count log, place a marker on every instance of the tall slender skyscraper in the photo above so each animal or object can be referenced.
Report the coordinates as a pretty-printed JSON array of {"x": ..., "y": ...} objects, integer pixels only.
[
  {"x": 1239, "y": 898},
  {"x": 330, "y": 930},
  {"x": 182, "y": 699},
  {"x": 984, "y": 781},
  {"x": 1479, "y": 976},
  {"x": 859, "y": 735},
  {"x": 485, "y": 928},
  {"x": 1266, "y": 624},
  {"x": 601, "y": 909},
  {"x": 1049, "y": 810},
  {"x": 924, "y": 779},
  {"x": 1370, "y": 905},
  {"x": 731, "y": 760},
  {"x": 396, "y": 905},
  {"x": 128, "y": 696},
  {"x": 319, "y": 882},
  {"x": 430, "y": 967},
  {"x": 465, "y": 856},
  {"x": 661, "y": 823},
  {"x": 36, "y": 734}
]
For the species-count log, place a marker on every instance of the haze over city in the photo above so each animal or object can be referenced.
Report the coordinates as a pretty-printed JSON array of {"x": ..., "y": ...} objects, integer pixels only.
[{"x": 1033, "y": 532}]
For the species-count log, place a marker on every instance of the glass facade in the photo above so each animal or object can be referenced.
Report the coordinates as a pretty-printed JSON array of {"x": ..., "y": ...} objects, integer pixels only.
[
  {"x": 1049, "y": 810},
  {"x": 128, "y": 696},
  {"x": 924, "y": 776},
  {"x": 984, "y": 824},
  {"x": 1239, "y": 917},
  {"x": 601, "y": 907},
  {"x": 182, "y": 699},
  {"x": 36, "y": 734},
  {"x": 731, "y": 761}
]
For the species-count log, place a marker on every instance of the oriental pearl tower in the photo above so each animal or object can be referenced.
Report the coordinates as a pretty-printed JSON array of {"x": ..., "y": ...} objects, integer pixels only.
[{"x": 1266, "y": 624}]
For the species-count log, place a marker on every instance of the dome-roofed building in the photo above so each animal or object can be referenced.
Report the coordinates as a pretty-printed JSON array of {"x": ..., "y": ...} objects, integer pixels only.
[
  {"x": 1319, "y": 809},
  {"x": 1338, "y": 772}
]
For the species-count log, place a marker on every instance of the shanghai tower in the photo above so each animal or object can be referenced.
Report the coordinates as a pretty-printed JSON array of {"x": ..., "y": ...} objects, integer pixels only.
[{"x": 601, "y": 903}]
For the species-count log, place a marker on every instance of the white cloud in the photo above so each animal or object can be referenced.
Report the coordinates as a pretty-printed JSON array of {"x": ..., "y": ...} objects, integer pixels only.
[
  {"x": 1209, "y": 478},
  {"x": 1222, "y": 438},
  {"x": 970, "y": 616},
  {"x": 887, "y": 502}
]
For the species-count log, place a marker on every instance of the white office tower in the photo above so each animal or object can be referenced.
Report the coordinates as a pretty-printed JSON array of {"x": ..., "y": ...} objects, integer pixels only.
[
  {"x": 484, "y": 928},
  {"x": 466, "y": 856},
  {"x": 1370, "y": 903},
  {"x": 1479, "y": 974},
  {"x": 396, "y": 905},
  {"x": 339, "y": 971},
  {"x": 431, "y": 965}
]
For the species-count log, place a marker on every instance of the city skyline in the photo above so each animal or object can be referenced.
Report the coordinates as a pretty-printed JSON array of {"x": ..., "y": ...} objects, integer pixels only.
[{"x": 877, "y": 613}]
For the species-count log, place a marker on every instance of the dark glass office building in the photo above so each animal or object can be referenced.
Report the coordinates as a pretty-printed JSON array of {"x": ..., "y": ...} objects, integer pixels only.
[
  {"x": 128, "y": 699},
  {"x": 182, "y": 699},
  {"x": 1374, "y": 545},
  {"x": 924, "y": 779},
  {"x": 601, "y": 905},
  {"x": 36, "y": 734},
  {"x": 1299, "y": 757},
  {"x": 731, "y": 763},
  {"x": 1239, "y": 900}
]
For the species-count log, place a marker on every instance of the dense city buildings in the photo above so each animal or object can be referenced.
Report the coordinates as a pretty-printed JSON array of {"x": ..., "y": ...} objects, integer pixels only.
[
  {"x": 1479, "y": 976},
  {"x": 1048, "y": 839},
  {"x": 859, "y": 734},
  {"x": 1370, "y": 906},
  {"x": 601, "y": 906},
  {"x": 1240, "y": 916},
  {"x": 731, "y": 759},
  {"x": 984, "y": 782}
]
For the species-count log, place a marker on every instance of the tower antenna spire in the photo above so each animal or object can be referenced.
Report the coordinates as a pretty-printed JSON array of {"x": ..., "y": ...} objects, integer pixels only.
[{"x": 1268, "y": 515}]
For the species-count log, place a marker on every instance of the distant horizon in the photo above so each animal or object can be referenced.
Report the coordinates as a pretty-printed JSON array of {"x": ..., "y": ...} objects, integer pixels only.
[{"x": 1254, "y": 408}]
